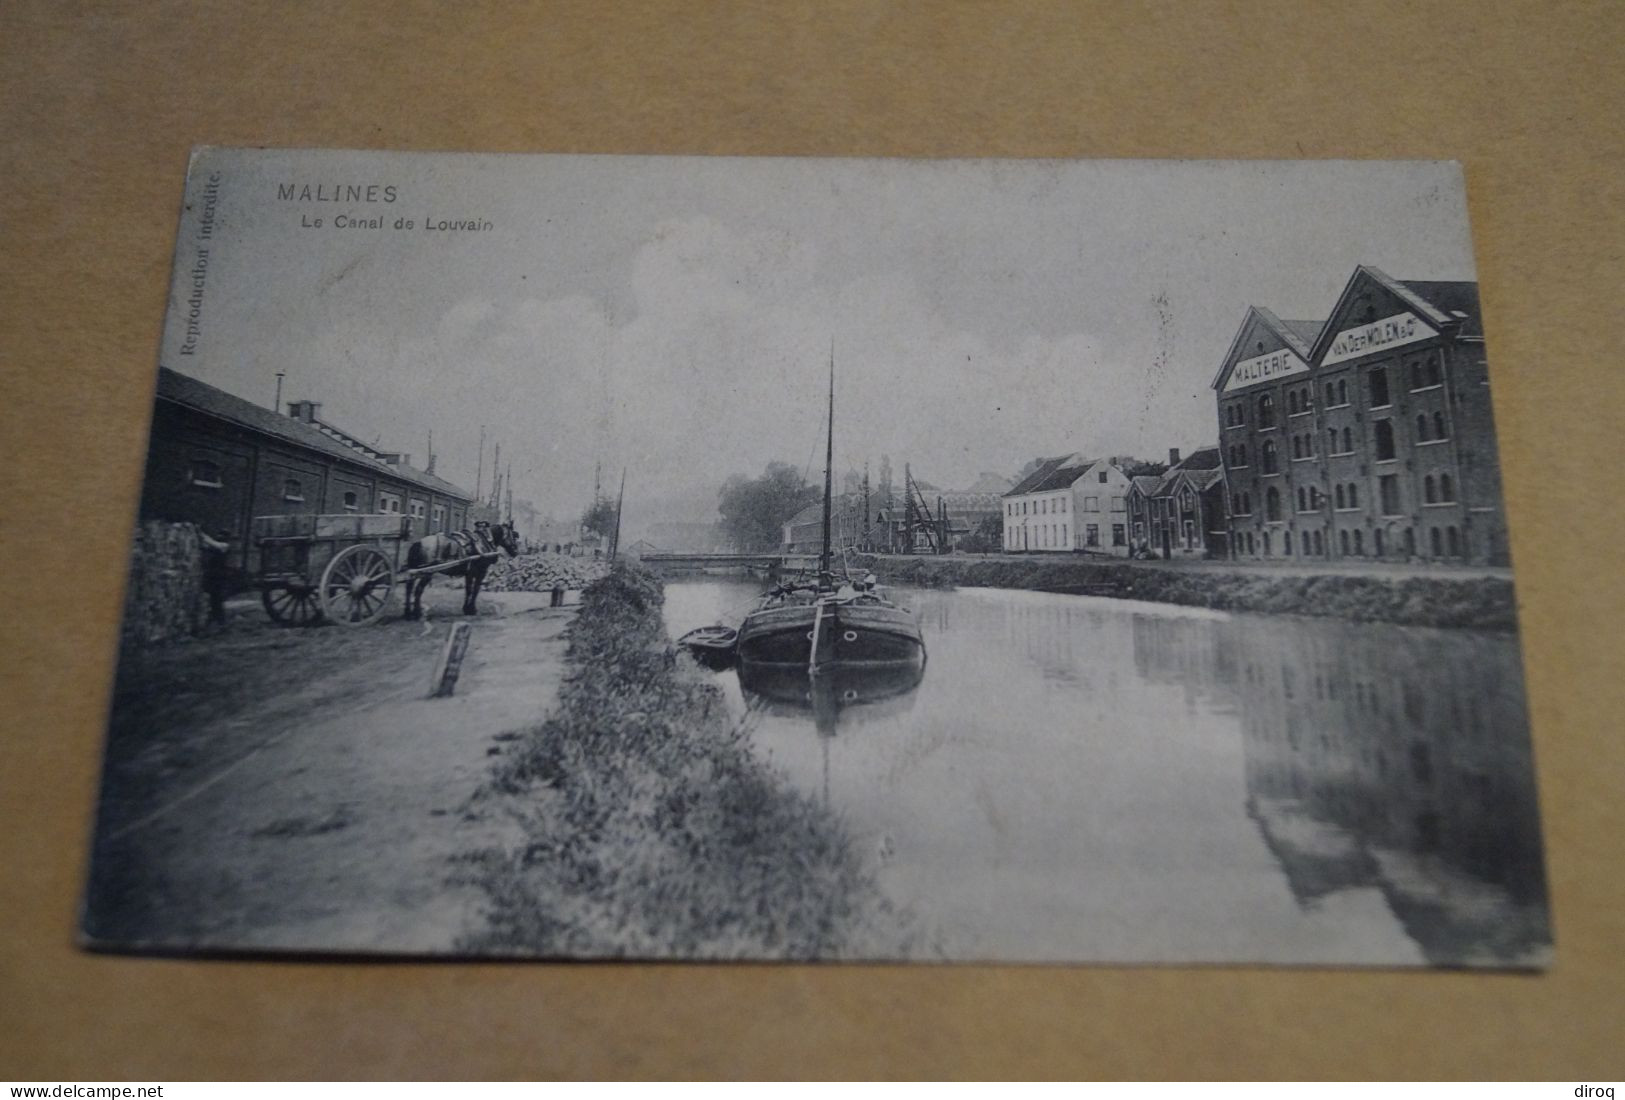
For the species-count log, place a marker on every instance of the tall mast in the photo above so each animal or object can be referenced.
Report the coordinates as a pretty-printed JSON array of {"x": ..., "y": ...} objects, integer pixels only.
[
  {"x": 829, "y": 462},
  {"x": 615, "y": 542}
]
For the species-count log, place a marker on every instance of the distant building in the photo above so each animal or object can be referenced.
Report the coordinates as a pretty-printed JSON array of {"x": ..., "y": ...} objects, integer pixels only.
[
  {"x": 803, "y": 533},
  {"x": 218, "y": 461},
  {"x": 1069, "y": 503},
  {"x": 690, "y": 538},
  {"x": 1369, "y": 435}
]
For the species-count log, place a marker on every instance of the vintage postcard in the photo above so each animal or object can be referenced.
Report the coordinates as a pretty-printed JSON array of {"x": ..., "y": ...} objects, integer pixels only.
[{"x": 717, "y": 558}]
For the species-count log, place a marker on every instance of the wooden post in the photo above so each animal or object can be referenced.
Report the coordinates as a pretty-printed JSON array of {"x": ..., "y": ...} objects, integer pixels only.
[{"x": 450, "y": 665}]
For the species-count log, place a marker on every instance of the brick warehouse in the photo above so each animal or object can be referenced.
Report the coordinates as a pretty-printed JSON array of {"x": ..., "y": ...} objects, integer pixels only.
[
  {"x": 1367, "y": 435},
  {"x": 217, "y": 460}
]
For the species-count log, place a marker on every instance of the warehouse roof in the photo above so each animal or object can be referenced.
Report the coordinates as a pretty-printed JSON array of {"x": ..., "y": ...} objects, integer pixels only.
[{"x": 189, "y": 392}]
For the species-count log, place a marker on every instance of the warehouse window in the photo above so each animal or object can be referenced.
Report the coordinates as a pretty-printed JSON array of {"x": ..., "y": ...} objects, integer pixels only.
[
  {"x": 205, "y": 474},
  {"x": 1388, "y": 487},
  {"x": 351, "y": 504},
  {"x": 293, "y": 491},
  {"x": 1266, "y": 411},
  {"x": 1447, "y": 488},
  {"x": 1385, "y": 440},
  {"x": 1378, "y": 379}
]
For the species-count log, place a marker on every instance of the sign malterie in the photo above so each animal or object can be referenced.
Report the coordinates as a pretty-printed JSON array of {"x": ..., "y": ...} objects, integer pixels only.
[{"x": 1265, "y": 368}]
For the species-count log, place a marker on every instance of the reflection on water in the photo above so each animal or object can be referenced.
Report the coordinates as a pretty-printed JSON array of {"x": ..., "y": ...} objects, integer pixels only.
[{"x": 1082, "y": 778}]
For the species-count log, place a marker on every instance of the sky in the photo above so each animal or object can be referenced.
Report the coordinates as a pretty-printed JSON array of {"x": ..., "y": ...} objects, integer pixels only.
[{"x": 675, "y": 316}]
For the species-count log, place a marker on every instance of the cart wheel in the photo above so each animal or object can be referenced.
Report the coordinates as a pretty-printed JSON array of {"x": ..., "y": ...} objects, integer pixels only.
[
  {"x": 356, "y": 585},
  {"x": 291, "y": 605}
]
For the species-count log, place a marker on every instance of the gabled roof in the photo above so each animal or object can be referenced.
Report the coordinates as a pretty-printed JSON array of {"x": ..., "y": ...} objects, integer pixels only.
[
  {"x": 1201, "y": 479},
  {"x": 814, "y": 512},
  {"x": 1444, "y": 305},
  {"x": 1299, "y": 336},
  {"x": 1028, "y": 484},
  {"x": 1458, "y": 299},
  {"x": 186, "y": 391},
  {"x": 1148, "y": 484},
  {"x": 1306, "y": 332},
  {"x": 1203, "y": 458}
]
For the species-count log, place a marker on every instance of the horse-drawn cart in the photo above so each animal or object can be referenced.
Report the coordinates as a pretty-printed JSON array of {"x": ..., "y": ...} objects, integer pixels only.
[{"x": 338, "y": 567}]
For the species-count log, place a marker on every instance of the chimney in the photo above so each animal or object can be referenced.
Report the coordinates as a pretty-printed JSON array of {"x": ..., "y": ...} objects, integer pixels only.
[
  {"x": 1173, "y": 456},
  {"x": 304, "y": 410}
]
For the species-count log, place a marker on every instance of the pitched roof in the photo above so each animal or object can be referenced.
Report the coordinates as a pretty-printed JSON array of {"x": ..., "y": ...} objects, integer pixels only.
[
  {"x": 1305, "y": 331},
  {"x": 1457, "y": 299},
  {"x": 1203, "y": 458},
  {"x": 1441, "y": 304},
  {"x": 184, "y": 390},
  {"x": 1299, "y": 336},
  {"x": 813, "y": 513},
  {"x": 1045, "y": 467},
  {"x": 1053, "y": 474},
  {"x": 1203, "y": 478},
  {"x": 1148, "y": 483}
]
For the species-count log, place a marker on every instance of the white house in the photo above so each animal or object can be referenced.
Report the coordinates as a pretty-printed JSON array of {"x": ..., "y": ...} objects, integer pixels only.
[{"x": 1069, "y": 503}]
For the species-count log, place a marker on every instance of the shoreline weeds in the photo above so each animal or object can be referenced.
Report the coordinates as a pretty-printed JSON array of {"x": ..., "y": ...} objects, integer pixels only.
[
  {"x": 651, "y": 829},
  {"x": 1482, "y": 603}
]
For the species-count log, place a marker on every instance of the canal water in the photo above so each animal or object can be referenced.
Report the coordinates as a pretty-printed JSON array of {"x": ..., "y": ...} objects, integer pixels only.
[{"x": 1081, "y": 778}]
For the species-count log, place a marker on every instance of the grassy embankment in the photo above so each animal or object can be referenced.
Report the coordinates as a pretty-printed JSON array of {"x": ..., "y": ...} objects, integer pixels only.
[
  {"x": 1482, "y": 602},
  {"x": 651, "y": 829}
]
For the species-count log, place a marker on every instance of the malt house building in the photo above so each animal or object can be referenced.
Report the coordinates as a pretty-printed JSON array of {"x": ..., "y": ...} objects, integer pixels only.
[{"x": 1368, "y": 435}]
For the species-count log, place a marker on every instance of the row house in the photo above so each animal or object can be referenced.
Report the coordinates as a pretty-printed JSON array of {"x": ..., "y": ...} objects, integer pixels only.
[
  {"x": 1366, "y": 435},
  {"x": 1069, "y": 503},
  {"x": 219, "y": 461},
  {"x": 1181, "y": 513}
]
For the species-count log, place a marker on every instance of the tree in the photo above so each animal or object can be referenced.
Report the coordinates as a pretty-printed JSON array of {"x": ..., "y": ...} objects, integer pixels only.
[
  {"x": 1139, "y": 468},
  {"x": 754, "y": 510},
  {"x": 988, "y": 536},
  {"x": 599, "y": 518}
]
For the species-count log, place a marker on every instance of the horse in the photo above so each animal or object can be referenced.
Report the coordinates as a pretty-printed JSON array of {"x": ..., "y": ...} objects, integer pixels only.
[{"x": 474, "y": 551}]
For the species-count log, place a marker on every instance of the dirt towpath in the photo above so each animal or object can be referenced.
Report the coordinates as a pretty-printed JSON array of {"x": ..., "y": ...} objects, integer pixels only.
[{"x": 296, "y": 789}]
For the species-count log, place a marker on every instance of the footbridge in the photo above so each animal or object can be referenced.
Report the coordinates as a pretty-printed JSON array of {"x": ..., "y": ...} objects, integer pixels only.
[{"x": 769, "y": 564}]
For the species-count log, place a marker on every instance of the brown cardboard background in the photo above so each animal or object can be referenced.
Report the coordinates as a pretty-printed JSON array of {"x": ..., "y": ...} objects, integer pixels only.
[{"x": 98, "y": 107}]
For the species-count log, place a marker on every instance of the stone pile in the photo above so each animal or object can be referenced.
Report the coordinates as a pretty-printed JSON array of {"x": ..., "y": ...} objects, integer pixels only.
[
  {"x": 540, "y": 572},
  {"x": 165, "y": 598}
]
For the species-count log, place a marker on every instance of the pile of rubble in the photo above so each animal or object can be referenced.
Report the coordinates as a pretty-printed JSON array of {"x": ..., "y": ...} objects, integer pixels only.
[
  {"x": 541, "y": 572},
  {"x": 165, "y": 597}
]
